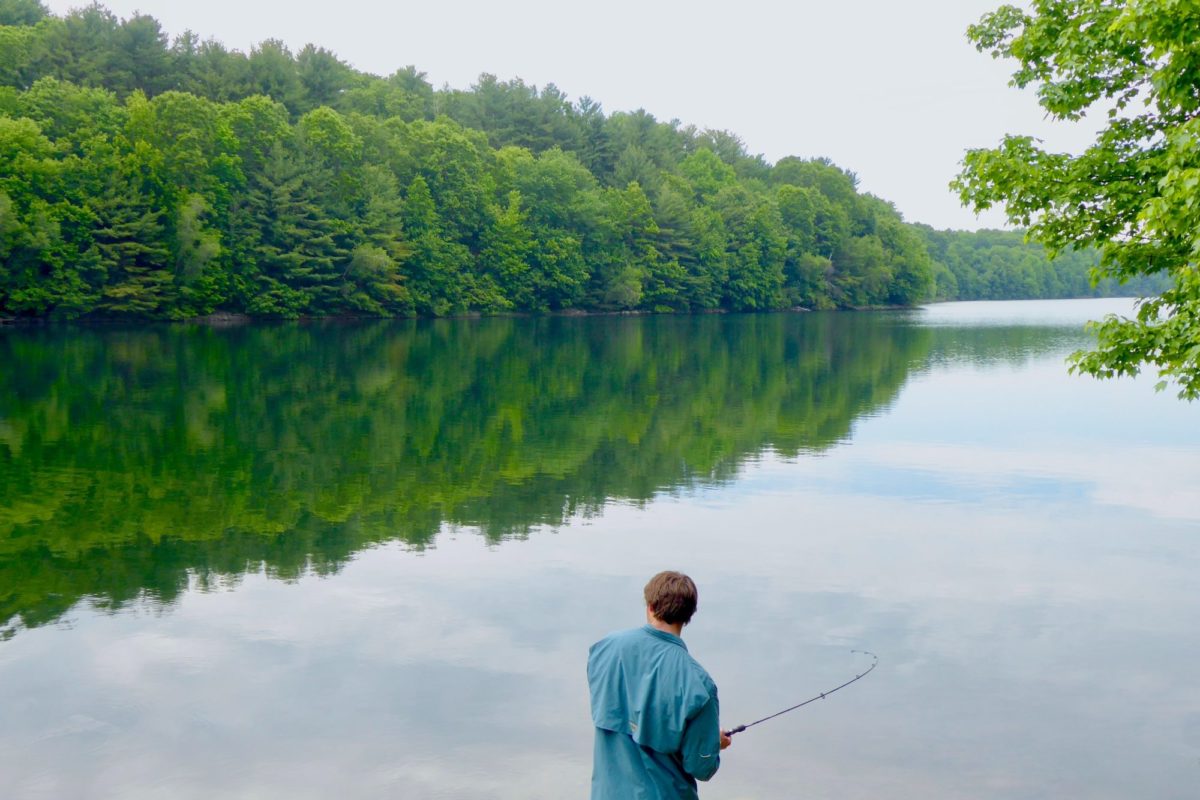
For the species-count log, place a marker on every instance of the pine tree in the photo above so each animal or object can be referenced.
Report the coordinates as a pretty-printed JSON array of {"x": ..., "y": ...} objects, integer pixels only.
[
  {"x": 130, "y": 235},
  {"x": 374, "y": 281},
  {"x": 299, "y": 257}
]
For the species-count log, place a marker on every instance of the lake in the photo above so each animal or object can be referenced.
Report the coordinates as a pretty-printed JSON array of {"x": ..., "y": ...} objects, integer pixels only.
[{"x": 366, "y": 560}]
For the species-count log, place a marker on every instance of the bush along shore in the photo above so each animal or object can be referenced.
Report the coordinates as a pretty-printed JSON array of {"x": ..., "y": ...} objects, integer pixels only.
[{"x": 149, "y": 177}]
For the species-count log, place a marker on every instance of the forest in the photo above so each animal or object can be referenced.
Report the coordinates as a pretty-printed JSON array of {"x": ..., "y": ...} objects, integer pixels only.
[{"x": 145, "y": 176}]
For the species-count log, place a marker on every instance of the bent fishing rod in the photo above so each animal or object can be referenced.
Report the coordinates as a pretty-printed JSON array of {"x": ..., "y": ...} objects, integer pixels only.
[{"x": 821, "y": 696}]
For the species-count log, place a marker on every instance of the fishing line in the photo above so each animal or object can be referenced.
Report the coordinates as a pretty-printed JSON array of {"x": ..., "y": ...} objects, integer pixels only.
[{"x": 821, "y": 696}]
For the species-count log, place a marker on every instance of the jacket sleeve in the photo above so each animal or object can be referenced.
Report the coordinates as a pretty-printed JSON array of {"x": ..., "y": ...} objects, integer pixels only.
[{"x": 702, "y": 742}]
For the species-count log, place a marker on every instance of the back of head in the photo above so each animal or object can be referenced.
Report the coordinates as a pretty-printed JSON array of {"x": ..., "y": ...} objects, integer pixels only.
[{"x": 672, "y": 597}]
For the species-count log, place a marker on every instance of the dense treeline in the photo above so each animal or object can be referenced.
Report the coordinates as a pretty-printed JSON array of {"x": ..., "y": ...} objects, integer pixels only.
[
  {"x": 149, "y": 177},
  {"x": 1002, "y": 265}
]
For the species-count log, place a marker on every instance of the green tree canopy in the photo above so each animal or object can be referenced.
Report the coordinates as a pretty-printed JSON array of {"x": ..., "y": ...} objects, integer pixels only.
[
  {"x": 22, "y": 12},
  {"x": 1134, "y": 193}
]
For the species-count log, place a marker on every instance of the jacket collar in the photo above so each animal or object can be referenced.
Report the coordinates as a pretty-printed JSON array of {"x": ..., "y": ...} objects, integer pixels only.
[{"x": 666, "y": 637}]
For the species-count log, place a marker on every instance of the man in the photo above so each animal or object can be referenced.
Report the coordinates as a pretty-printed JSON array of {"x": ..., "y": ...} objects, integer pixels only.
[{"x": 655, "y": 708}]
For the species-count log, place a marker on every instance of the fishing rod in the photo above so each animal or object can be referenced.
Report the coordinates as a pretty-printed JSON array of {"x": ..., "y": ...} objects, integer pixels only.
[{"x": 821, "y": 696}]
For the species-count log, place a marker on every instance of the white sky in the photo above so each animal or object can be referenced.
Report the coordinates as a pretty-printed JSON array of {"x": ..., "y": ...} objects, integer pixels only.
[{"x": 889, "y": 89}]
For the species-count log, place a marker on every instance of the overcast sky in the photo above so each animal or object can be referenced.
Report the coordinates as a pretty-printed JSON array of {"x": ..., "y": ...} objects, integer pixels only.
[{"x": 889, "y": 89}]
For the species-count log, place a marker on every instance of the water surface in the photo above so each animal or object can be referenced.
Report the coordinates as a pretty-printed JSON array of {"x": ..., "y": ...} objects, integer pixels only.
[{"x": 366, "y": 560}]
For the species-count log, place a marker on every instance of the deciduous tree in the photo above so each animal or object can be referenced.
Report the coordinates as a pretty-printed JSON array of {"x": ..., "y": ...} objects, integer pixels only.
[{"x": 1134, "y": 193}]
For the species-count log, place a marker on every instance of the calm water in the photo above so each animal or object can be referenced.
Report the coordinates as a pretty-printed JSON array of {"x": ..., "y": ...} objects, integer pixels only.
[{"x": 366, "y": 560}]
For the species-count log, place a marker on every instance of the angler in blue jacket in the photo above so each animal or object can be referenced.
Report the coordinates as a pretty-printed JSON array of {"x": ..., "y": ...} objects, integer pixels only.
[{"x": 655, "y": 708}]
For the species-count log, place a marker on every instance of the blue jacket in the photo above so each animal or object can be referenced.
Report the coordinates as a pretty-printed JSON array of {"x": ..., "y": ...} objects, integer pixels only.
[{"x": 656, "y": 716}]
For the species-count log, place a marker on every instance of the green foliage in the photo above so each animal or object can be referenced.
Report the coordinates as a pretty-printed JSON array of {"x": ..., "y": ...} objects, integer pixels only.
[
  {"x": 272, "y": 72},
  {"x": 18, "y": 49},
  {"x": 505, "y": 258},
  {"x": 169, "y": 179},
  {"x": 1132, "y": 194},
  {"x": 323, "y": 76},
  {"x": 706, "y": 173},
  {"x": 435, "y": 259},
  {"x": 22, "y": 12},
  {"x": 1004, "y": 265}
]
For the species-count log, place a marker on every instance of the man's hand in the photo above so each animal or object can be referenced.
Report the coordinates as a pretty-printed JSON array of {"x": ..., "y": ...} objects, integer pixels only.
[{"x": 725, "y": 740}]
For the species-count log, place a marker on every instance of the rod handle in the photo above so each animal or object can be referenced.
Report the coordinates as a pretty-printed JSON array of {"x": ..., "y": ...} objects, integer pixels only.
[{"x": 738, "y": 729}]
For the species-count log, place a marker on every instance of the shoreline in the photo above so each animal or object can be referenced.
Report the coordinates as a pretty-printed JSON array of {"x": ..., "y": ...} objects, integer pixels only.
[{"x": 230, "y": 319}]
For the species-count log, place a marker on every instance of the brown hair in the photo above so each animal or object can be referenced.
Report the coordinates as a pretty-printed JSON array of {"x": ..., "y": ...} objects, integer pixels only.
[{"x": 672, "y": 597}]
